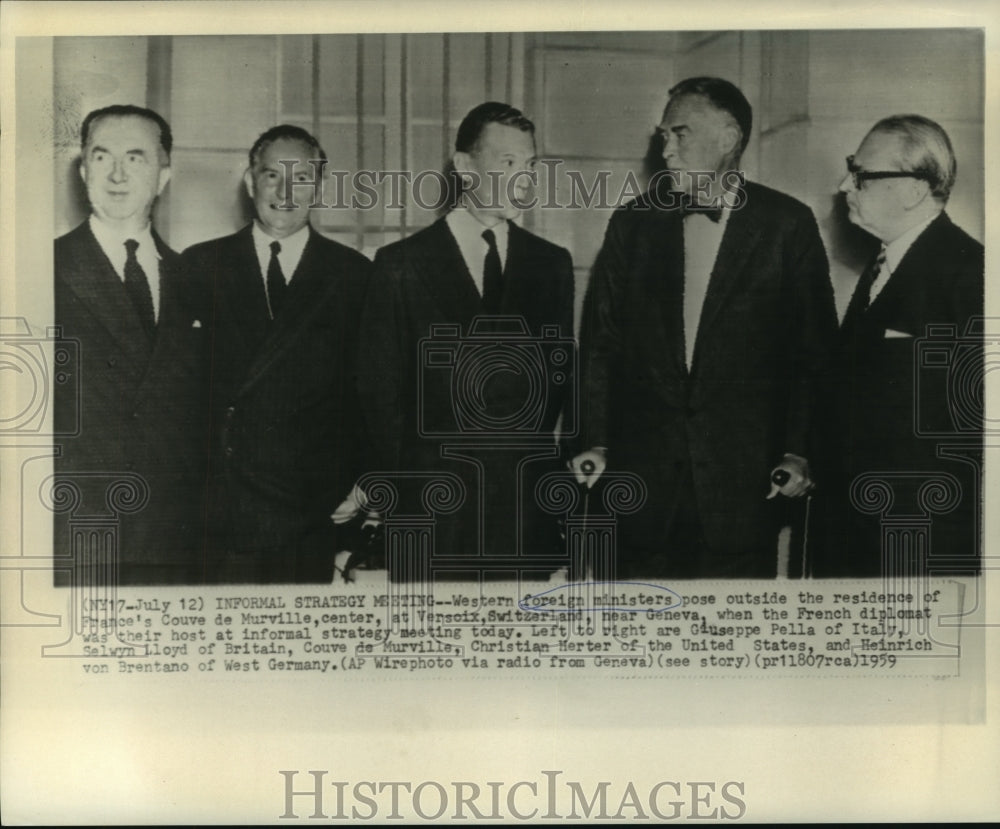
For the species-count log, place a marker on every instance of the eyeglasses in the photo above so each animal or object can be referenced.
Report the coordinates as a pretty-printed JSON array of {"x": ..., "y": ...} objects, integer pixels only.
[{"x": 859, "y": 176}]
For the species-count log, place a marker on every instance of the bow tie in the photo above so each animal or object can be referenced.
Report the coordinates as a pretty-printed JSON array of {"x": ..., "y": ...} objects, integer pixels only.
[{"x": 687, "y": 207}]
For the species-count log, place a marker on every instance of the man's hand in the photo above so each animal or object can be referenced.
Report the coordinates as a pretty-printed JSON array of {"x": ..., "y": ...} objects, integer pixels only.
[
  {"x": 798, "y": 483},
  {"x": 350, "y": 506},
  {"x": 588, "y": 466}
]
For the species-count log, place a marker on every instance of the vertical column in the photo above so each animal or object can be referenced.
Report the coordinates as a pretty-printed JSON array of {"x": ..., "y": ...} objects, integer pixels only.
[
  {"x": 93, "y": 545},
  {"x": 591, "y": 521},
  {"x": 410, "y": 540},
  {"x": 906, "y": 534}
]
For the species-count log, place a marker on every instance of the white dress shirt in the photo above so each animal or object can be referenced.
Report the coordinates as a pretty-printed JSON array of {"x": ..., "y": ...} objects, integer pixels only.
[
  {"x": 468, "y": 232},
  {"x": 113, "y": 245},
  {"x": 702, "y": 239},
  {"x": 289, "y": 256}
]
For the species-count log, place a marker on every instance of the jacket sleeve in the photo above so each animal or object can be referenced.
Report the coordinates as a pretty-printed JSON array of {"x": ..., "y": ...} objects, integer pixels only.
[
  {"x": 811, "y": 317},
  {"x": 600, "y": 334},
  {"x": 381, "y": 363}
]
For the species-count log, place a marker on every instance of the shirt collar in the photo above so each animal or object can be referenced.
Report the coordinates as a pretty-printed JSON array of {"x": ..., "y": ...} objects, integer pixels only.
[
  {"x": 897, "y": 248},
  {"x": 291, "y": 246},
  {"x": 468, "y": 229},
  {"x": 112, "y": 241}
]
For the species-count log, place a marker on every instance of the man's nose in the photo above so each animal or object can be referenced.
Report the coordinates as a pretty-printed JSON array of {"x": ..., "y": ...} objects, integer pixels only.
[
  {"x": 521, "y": 180},
  {"x": 847, "y": 184},
  {"x": 118, "y": 171}
]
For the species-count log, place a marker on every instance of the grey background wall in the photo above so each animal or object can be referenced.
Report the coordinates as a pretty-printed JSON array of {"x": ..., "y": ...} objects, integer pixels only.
[{"x": 393, "y": 102}]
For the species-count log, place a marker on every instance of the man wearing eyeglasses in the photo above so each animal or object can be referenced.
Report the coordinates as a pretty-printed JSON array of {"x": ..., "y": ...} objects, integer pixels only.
[{"x": 926, "y": 272}]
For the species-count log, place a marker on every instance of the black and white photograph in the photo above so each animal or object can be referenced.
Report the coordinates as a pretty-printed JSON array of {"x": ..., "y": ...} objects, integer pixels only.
[{"x": 449, "y": 412}]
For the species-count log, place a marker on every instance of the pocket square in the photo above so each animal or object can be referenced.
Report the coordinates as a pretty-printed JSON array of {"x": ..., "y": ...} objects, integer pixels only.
[
  {"x": 891, "y": 333},
  {"x": 196, "y": 324}
]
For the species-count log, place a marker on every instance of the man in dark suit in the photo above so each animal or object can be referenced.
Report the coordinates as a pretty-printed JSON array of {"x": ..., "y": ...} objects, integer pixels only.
[
  {"x": 475, "y": 262},
  {"x": 702, "y": 337},
  {"x": 120, "y": 291},
  {"x": 890, "y": 409},
  {"x": 285, "y": 304}
]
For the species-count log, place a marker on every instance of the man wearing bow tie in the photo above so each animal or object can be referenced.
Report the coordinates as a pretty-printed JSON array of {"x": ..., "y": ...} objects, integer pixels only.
[
  {"x": 702, "y": 338},
  {"x": 474, "y": 262},
  {"x": 887, "y": 408},
  {"x": 136, "y": 454},
  {"x": 285, "y": 443}
]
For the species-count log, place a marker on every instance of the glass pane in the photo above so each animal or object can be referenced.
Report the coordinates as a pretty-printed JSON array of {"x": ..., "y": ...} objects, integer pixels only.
[
  {"x": 467, "y": 73},
  {"x": 338, "y": 75},
  {"x": 296, "y": 74},
  {"x": 425, "y": 70},
  {"x": 340, "y": 143},
  {"x": 373, "y": 74}
]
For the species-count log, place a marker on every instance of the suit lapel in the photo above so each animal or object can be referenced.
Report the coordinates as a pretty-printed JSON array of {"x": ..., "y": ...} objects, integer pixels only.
[
  {"x": 898, "y": 289},
  {"x": 519, "y": 279},
  {"x": 742, "y": 232},
  {"x": 173, "y": 303},
  {"x": 241, "y": 290},
  {"x": 440, "y": 266},
  {"x": 99, "y": 288},
  {"x": 856, "y": 309},
  {"x": 665, "y": 288},
  {"x": 887, "y": 309},
  {"x": 307, "y": 289},
  {"x": 175, "y": 315}
]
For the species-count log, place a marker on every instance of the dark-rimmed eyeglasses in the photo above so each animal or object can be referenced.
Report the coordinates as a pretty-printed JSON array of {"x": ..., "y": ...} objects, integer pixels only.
[{"x": 859, "y": 176}]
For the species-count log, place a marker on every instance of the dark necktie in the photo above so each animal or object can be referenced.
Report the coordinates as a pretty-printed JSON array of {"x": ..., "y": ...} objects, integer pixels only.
[
  {"x": 137, "y": 288},
  {"x": 276, "y": 285},
  {"x": 862, "y": 293},
  {"x": 492, "y": 275},
  {"x": 689, "y": 207}
]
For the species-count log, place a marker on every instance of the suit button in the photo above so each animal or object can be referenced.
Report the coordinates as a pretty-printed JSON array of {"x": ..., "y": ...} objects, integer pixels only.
[
  {"x": 112, "y": 362},
  {"x": 135, "y": 415},
  {"x": 230, "y": 412},
  {"x": 229, "y": 451}
]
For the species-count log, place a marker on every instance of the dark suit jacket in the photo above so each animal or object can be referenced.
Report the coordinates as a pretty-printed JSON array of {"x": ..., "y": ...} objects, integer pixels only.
[
  {"x": 410, "y": 406},
  {"x": 140, "y": 410},
  {"x": 883, "y": 421},
  {"x": 709, "y": 436},
  {"x": 285, "y": 440}
]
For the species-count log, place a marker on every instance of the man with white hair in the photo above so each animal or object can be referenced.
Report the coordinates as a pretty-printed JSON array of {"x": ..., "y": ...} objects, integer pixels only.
[
  {"x": 886, "y": 407},
  {"x": 708, "y": 319}
]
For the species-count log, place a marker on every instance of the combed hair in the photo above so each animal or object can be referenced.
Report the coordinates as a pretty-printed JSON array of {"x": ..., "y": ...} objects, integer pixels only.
[
  {"x": 492, "y": 112},
  {"x": 287, "y": 131},
  {"x": 926, "y": 149},
  {"x": 124, "y": 110},
  {"x": 723, "y": 95}
]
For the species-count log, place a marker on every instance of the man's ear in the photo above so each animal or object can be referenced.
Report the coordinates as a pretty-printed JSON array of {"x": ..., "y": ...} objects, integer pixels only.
[
  {"x": 82, "y": 170},
  {"x": 248, "y": 182},
  {"x": 729, "y": 140},
  {"x": 914, "y": 192},
  {"x": 165, "y": 173},
  {"x": 461, "y": 161}
]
